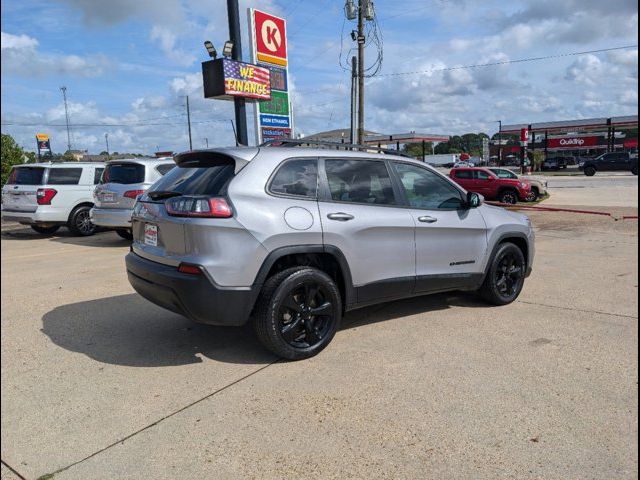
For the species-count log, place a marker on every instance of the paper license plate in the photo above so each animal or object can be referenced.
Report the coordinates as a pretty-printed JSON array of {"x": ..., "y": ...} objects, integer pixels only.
[
  {"x": 108, "y": 197},
  {"x": 151, "y": 234}
]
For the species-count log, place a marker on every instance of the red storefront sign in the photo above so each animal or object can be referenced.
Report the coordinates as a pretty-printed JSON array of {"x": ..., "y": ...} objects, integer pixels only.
[
  {"x": 631, "y": 143},
  {"x": 573, "y": 142},
  {"x": 271, "y": 38}
]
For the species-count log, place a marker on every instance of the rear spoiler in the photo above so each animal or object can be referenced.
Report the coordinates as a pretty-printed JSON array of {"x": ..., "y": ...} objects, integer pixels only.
[{"x": 213, "y": 158}]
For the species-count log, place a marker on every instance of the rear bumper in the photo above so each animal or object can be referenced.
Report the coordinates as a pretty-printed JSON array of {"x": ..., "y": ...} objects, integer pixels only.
[
  {"x": 193, "y": 296},
  {"x": 111, "y": 217},
  {"x": 40, "y": 215}
]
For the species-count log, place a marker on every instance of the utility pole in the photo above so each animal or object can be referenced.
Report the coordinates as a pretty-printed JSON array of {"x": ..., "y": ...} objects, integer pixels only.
[
  {"x": 63, "y": 89},
  {"x": 189, "y": 124},
  {"x": 106, "y": 139},
  {"x": 361, "y": 40},
  {"x": 207, "y": 142},
  {"x": 238, "y": 103},
  {"x": 500, "y": 143},
  {"x": 354, "y": 96}
]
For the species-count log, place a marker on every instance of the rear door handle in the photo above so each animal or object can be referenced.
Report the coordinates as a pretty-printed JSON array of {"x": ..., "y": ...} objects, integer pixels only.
[
  {"x": 340, "y": 216},
  {"x": 427, "y": 219}
]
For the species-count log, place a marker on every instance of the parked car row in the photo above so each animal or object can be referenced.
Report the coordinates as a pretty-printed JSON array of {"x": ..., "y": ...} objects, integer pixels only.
[{"x": 80, "y": 196}]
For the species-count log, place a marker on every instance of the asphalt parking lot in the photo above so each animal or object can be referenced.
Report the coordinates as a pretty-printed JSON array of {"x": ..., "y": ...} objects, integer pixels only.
[{"x": 99, "y": 383}]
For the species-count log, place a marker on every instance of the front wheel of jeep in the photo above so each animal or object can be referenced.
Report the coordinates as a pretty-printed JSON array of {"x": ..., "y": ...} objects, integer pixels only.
[
  {"x": 505, "y": 278},
  {"x": 298, "y": 312}
]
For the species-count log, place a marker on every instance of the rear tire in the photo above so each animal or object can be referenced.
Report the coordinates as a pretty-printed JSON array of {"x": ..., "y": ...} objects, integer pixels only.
[
  {"x": 508, "y": 196},
  {"x": 45, "y": 230},
  {"x": 634, "y": 170},
  {"x": 80, "y": 222},
  {"x": 505, "y": 278},
  {"x": 533, "y": 195},
  {"x": 589, "y": 171},
  {"x": 298, "y": 313},
  {"x": 126, "y": 234}
]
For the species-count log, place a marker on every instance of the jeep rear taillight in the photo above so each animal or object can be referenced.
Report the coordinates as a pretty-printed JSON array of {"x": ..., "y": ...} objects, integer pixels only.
[
  {"x": 133, "y": 194},
  {"x": 207, "y": 207},
  {"x": 45, "y": 195}
]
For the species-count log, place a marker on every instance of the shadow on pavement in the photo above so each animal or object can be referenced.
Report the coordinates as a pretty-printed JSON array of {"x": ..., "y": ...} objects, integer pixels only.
[
  {"x": 104, "y": 238},
  {"x": 128, "y": 330}
]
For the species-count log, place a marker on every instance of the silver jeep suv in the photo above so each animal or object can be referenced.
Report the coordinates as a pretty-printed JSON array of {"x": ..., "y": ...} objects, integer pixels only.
[{"x": 292, "y": 238}]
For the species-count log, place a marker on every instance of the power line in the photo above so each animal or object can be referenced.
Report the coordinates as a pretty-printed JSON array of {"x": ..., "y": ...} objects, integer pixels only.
[{"x": 507, "y": 62}]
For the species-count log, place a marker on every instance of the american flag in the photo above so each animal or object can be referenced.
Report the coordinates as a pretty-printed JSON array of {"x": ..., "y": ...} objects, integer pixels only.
[{"x": 246, "y": 80}]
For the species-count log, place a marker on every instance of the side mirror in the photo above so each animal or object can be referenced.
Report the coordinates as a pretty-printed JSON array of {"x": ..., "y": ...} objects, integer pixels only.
[{"x": 474, "y": 200}]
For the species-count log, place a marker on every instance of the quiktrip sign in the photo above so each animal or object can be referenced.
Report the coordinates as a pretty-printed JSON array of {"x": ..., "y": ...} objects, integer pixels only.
[
  {"x": 268, "y": 38},
  {"x": 573, "y": 142}
]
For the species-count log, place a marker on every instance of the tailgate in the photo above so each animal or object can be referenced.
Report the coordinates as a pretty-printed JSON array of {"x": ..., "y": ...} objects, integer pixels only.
[
  {"x": 156, "y": 235},
  {"x": 19, "y": 198},
  {"x": 111, "y": 195}
]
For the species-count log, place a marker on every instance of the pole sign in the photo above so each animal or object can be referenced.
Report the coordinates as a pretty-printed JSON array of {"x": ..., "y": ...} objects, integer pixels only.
[
  {"x": 268, "y": 38},
  {"x": 225, "y": 78},
  {"x": 44, "y": 145},
  {"x": 524, "y": 136}
]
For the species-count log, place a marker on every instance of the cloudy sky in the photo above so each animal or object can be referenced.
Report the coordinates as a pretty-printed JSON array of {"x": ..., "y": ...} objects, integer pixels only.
[{"x": 128, "y": 66}]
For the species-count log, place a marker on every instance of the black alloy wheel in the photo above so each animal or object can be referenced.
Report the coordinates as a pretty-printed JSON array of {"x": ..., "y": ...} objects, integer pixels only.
[
  {"x": 589, "y": 171},
  {"x": 305, "y": 315},
  {"x": 508, "y": 196},
  {"x": 634, "y": 170},
  {"x": 298, "y": 312},
  {"x": 533, "y": 195},
  {"x": 506, "y": 275},
  {"x": 80, "y": 223},
  {"x": 45, "y": 230}
]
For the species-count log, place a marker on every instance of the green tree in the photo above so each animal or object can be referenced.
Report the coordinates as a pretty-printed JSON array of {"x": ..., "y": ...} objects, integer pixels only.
[
  {"x": 12, "y": 154},
  {"x": 415, "y": 149}
]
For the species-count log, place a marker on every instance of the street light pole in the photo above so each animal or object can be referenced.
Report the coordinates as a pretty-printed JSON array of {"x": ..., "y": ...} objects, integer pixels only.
[
  {"x": 106, "y": 139},
  {"x": 63, "y": 89}
]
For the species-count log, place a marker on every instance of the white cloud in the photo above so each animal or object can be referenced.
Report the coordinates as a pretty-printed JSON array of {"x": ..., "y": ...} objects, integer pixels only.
[
  {"x": 21, "y": 56},
  {"x": 167, "y": 39}
]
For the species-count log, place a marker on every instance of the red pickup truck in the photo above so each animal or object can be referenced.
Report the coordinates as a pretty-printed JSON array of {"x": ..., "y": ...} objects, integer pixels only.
[{"x": 488, "y": 184}]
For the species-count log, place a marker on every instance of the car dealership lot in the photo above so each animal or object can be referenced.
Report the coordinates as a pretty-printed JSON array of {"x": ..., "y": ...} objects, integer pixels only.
[{"x": 99, "y": 383}]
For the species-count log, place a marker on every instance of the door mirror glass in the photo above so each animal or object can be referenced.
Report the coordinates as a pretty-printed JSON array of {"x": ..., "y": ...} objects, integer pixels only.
[{"x": 474, "y": 200}]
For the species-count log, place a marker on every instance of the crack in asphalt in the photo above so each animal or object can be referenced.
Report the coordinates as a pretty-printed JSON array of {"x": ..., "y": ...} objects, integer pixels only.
[
  {"x": 622, "y": 315},
  {"x": 160, "y": 420},
  {"x": 13, "y": 470}
]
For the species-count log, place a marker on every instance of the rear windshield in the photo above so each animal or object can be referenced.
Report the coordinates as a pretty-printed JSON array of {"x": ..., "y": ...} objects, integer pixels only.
[
  {"x": 125, "y": 173},
  {"x": 187, "y": 180},
  {"x": 26, "y": 176}
]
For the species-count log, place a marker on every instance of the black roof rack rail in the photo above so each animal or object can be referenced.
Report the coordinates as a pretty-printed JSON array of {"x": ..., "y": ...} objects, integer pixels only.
[{"x": 287, "y": 142}]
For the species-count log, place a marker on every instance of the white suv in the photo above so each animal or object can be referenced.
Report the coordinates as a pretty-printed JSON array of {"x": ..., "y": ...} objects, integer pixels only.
[{"x": 47, "y": 196}]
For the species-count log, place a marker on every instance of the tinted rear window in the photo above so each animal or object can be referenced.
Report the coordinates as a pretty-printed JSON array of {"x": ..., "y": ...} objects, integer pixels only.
[
  {"x": 125, "y": 173},
  {"x": 196, "y": 180},
  {"x": 26, "y": 176},
  {"x": 163, "y": 169},
  {"x": 296, "y": 177},
  {"x": 64, "y": 176}
]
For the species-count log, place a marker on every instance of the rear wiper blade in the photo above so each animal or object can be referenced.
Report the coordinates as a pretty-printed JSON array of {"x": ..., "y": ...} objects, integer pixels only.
[{"x": 160, "y": 194}]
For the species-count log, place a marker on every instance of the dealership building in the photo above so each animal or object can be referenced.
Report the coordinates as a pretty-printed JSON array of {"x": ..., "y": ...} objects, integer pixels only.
[{"x": 585, "y": 137}]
